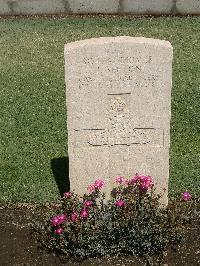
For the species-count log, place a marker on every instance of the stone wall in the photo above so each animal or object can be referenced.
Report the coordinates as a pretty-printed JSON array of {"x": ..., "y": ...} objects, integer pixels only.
[{"x": 137, "y": 7}]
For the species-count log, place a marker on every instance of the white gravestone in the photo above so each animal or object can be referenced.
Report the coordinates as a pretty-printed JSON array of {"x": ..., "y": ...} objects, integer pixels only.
[{"x": 118, "y": 110}]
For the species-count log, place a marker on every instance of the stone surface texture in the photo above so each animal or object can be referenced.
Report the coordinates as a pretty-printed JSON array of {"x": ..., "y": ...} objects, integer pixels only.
[
  {"x": 137, "y": 7},
  {"x": 188, "y": 6},
  {"x": 147, "y": 6},
  {"x": 118, "y": 104},
  {"x": 4, "y": 8},
  {"x": 93, "y": 6},
  {"x": 38, "y": 6}
]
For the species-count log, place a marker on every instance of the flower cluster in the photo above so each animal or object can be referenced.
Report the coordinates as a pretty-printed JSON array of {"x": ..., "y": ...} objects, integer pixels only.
[
  {"x": 84, "y": 213},
  {"x": 120, "y": 203},
  {"x": 145, "y": 182},
  {"x": 67, "y": 195},
  {"x": 97, "y": 185},
  {"x": 88, "y": 203},
  {"x": 74, "y": 217},
  {"x": 131, "y": 220},
  {"x": 120, "y": 180},
  {"x": 186, "y": 196},
  {"x": 58, "y": 220},
  {"x": 81, "y": 211}
]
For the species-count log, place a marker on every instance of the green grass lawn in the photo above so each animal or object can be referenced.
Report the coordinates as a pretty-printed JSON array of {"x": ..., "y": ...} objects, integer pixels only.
[{"x": 32, "y": 98}]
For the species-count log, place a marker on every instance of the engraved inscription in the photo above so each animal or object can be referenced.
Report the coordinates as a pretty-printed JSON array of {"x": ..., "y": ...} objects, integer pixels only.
[
  {"x": 150, "y": 80},
  {"x": 139, "y": 136},
  {"x": 98, "y": 138},
  {"x": 126, "y": 72},
  {"x": 119, "y": 120},
  {"x": 119, "y": 131},
  {"x": 122, "y": 59}
]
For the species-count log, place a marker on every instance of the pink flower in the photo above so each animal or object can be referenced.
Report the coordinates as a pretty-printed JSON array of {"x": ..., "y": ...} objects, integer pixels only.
[
  {"x": 74, "y": 217},
  {"x": 99, "y": 183},
  {"x": 62, "y": 218},
  {"x": 84, "y": 213},
  {"x": 59, "y": 230},
  {"x": 67, "y": 195},
  {"x": 91, "y": 188},
  {"x": 88, "y": 203},
  {"x": 119, "y": 179},
  {"x": 120, "y": 203},
  {"x": 146, "y": 182},
  {"x": 57, "y": 220},
  {"x": 186, "y": 196},
  {"x": 133, "y": 180}
]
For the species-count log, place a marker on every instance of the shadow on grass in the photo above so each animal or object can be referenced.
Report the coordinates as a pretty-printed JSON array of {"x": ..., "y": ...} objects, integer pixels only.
[{"x": 60, "y": 169}]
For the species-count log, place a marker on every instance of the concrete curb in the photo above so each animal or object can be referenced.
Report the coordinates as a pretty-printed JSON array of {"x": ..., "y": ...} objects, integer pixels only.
[{"x": 135, "y": 7}]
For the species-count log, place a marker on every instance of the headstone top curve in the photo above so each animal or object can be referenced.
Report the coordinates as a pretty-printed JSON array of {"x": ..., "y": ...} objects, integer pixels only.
[{"x": 118, "y": 39}]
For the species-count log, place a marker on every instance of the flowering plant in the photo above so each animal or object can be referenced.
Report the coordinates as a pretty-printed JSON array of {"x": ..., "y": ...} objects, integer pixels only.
[{"x": 131, "y": 222}]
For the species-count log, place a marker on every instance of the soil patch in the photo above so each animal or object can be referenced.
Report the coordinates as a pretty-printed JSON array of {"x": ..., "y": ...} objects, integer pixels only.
[{"x": 19, "y": 246}]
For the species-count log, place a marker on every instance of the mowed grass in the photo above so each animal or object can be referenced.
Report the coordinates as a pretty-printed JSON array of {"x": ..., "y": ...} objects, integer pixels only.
[{"x": 33, "y": 128}]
